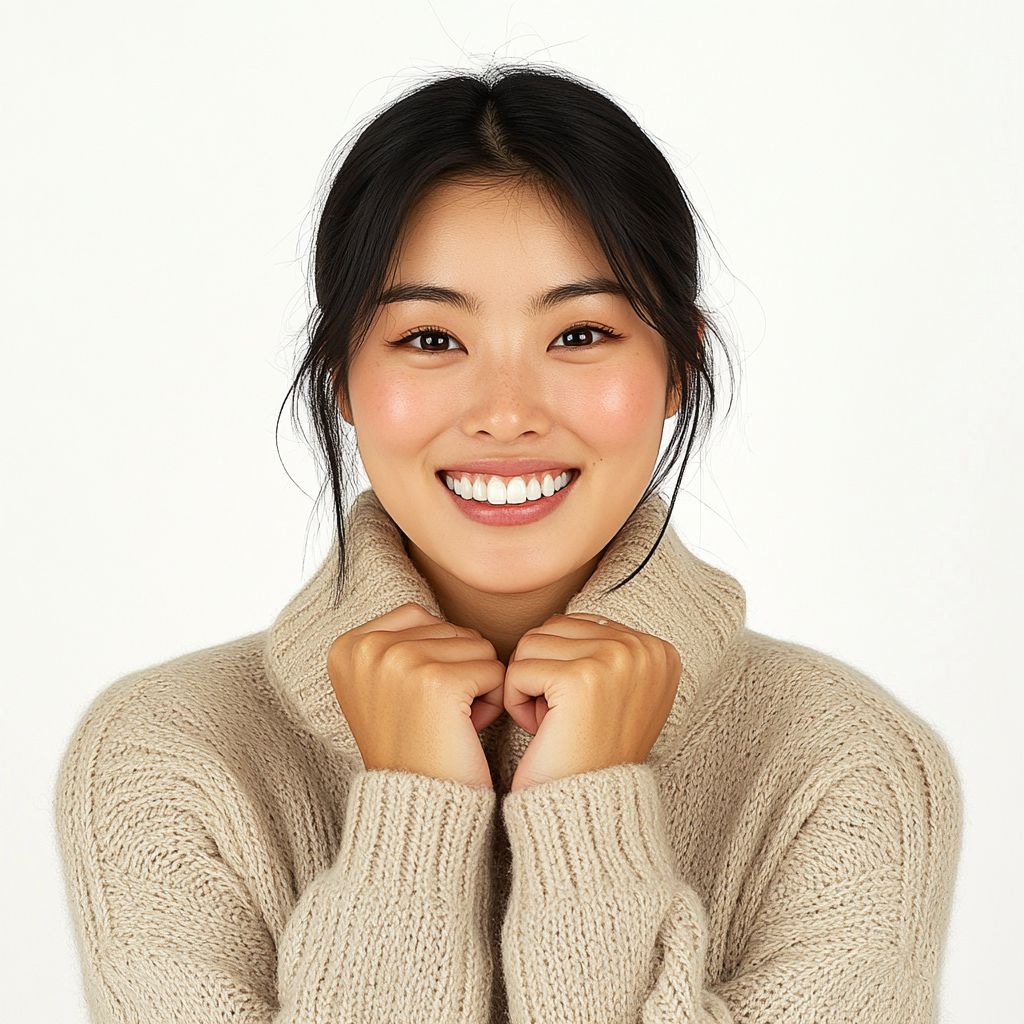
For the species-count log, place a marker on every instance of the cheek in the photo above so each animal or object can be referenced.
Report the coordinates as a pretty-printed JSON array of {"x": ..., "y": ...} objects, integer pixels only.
[
  {"x": 621, "y": 412},
  {"x": 394, "y": 414}
]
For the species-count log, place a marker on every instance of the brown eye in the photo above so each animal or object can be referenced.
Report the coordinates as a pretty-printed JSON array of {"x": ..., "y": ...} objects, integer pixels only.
[
  {"x": 579, "y": 337},
  {"x": 433, "y": 341}
]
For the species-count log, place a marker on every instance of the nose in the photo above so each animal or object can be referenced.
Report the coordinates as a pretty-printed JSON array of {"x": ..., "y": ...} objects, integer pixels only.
[{"x": 507, "y": 402}]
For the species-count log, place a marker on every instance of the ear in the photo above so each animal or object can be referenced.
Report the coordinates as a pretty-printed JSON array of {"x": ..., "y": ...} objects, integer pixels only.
[
  {"x": 674, "y": 398},
  {"x": 676, "y": 389},
  {"x": 341, "y": 397},
  {"x": 345, "y": 409}
]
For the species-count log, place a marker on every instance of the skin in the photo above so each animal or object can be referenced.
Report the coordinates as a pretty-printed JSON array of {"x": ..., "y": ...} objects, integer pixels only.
[{"x": 416, "y": 690}]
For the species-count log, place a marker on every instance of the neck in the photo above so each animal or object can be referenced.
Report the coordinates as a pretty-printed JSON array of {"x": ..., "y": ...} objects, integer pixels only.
[{"x": 500, "y": 618}]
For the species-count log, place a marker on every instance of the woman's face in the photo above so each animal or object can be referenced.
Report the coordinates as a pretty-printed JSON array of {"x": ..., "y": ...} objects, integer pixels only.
[{"x": 506, "y": 363}]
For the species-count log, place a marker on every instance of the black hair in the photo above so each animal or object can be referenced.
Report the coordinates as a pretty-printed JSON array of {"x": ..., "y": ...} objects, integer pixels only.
[{"x": 534, "y": 125}]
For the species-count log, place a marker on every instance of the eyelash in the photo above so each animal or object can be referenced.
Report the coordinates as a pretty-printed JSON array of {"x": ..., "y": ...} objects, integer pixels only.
[
  {"x": 607, "y": 332},
  {"x": 586, "y": 325},
  {"x": 419, "y": 331}
]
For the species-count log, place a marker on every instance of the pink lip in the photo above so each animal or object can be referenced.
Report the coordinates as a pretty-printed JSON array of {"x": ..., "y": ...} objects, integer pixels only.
[
  {"x": 509, "y": 515},
  {"x": 504, "y": 467}
]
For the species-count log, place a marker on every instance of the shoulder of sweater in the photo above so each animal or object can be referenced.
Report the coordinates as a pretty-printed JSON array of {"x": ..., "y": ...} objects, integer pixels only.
[
  {"x": 808, "y": 735},
  {"x": 801, "y": 702},
  {"x": 181, "y": 692},
  {"x": 213, "y": 707},
  {"x": 190, "y": 767}
]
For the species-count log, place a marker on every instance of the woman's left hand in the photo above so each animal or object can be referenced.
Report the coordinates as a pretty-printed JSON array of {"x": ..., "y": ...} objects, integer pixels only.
[{"x": 593, "y": 693}]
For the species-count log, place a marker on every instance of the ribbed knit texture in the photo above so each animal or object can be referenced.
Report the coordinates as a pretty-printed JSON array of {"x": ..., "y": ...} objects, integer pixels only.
[{"x": 786, "y": 853}]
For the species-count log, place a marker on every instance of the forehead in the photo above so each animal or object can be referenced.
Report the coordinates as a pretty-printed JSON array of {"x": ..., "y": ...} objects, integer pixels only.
[{"x": 495, "y": 235}]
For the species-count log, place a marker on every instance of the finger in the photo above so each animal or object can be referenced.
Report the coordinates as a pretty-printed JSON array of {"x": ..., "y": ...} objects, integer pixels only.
[
  {"x": 426, "y": 645},
  {"x": 601, "y": 620},
  {"x": 560, "y": 648},
  {"x": 488, "y": 707},
  {"x": 474, "y": 680},
  {"x": 434, "y": 628},
  {"x": 580, "y": 624},
  {"x": 528, "y": 678},
  {"x": 528, "y": 686},
  {"x": 519, "y": 696},
  {"x": 530, "y": 715},
  {"x": 524, "y": 697},
  {"x": 406, "y": 616},
  {"x": 540, "y": 710}
]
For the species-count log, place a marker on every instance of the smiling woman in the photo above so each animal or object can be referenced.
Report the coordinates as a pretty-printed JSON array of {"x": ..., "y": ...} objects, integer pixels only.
[
  {"x": 538, "y": 376},
  {"x": 511, "y": 753}
]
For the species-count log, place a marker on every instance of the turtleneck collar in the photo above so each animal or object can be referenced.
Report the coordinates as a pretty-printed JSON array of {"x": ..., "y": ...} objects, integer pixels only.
[{"x": 677, "y": 597}]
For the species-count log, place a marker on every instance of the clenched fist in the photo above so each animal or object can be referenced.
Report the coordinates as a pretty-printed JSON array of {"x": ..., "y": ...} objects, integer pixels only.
[
  {"x": 594, "y": 693},
  {"x": 416, "y": 691}
]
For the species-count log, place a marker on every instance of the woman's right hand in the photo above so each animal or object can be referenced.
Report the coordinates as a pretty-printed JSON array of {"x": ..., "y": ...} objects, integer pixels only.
[{"x": 416, "y": 690}]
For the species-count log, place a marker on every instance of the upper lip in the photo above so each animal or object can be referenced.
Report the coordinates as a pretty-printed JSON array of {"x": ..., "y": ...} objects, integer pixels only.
[{"x": 505, "y": 467}]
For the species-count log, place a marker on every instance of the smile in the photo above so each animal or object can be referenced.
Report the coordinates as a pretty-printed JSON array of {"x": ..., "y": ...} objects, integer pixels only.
[{"x": 516, "y": 490}]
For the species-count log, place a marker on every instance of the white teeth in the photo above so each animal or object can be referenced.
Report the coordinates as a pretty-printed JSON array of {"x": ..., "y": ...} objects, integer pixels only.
[
  {"x": 515, "y": 492},
  {"x": 495, "y": 491}
]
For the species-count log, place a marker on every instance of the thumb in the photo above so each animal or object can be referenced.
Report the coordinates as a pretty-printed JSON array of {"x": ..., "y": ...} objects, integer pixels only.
[{"x": 488, "y": 708}]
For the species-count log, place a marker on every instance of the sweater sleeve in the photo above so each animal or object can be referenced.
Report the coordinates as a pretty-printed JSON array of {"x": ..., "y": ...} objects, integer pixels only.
[
  {"x": 394, "y": 930},
  {"x": 601, "y": 928},
  {"x": 171, "y": 929}
]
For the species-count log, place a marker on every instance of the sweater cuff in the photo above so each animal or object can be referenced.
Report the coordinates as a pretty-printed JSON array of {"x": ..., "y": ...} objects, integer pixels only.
[
  {"x": 602, "y": 829},
  {"x": 411, "y": 833}
]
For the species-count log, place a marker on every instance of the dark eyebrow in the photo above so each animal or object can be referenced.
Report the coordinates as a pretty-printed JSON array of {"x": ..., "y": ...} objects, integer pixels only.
[
  {"x": 428, "y": 293},
  {"x": 576, "y": 290},
  {"x": 450, "y": 297}
]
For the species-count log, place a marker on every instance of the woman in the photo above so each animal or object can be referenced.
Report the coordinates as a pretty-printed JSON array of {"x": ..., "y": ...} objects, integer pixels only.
[{"x": 511, "y": 753}]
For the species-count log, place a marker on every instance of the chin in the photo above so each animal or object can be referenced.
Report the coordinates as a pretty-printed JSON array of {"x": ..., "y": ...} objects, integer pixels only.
[{"x": 509, "y": 573}]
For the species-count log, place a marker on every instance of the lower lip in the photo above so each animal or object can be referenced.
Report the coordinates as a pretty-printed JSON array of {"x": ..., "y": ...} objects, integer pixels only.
[{"x": 508, "y": 515}]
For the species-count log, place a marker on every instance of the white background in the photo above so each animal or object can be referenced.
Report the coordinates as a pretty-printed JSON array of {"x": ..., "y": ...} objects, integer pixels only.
[{"x": 858, "y": 165}]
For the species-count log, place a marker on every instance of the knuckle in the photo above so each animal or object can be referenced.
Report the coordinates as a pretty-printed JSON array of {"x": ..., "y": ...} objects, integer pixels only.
[
  {"x": 430, "y": 676},
  {"x": 338, "y": 653},
  {"x": 590, "y": 673},
  {"x": 534, "y": 637},
  {"x": 397, "y": 656},
  {"x": 432, "y": 681},
  {"x": 619, "y": 657},
  {"x": 521, "y": 651},
  {"x": 363, "y": 651}
]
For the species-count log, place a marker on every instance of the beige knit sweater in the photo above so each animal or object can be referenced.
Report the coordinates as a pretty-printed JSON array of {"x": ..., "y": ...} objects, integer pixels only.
[{"x": 786, "y": 853}]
